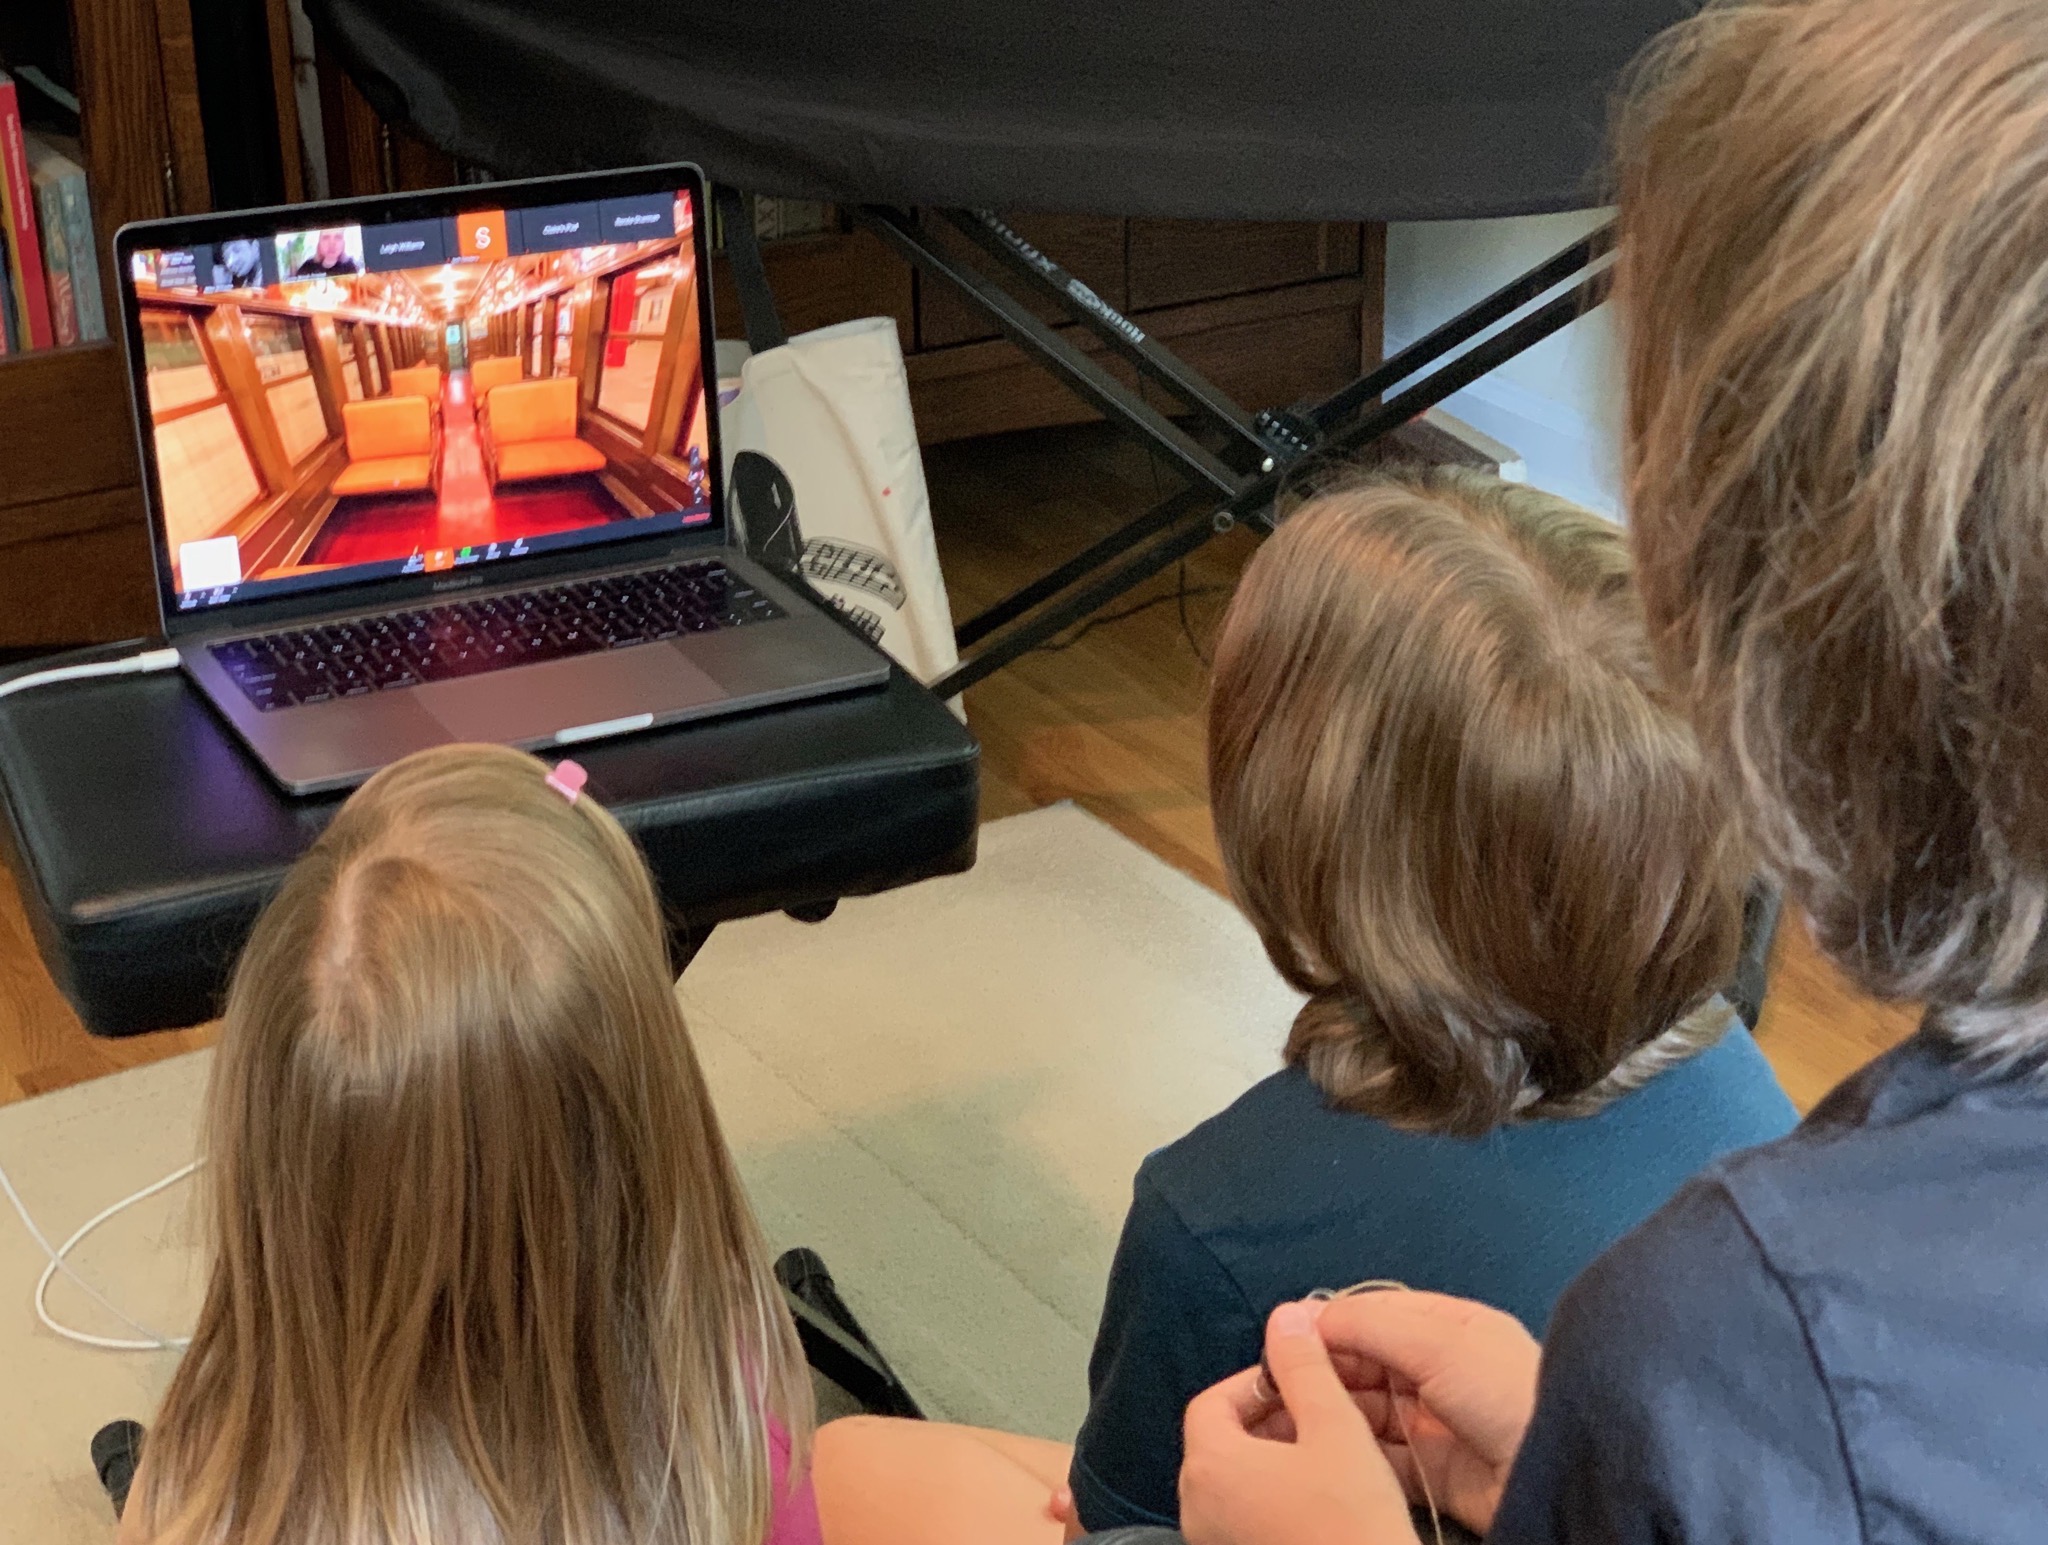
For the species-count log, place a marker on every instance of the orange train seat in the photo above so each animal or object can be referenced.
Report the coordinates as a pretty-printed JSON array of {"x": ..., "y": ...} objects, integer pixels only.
[
  {"x": 485, "y": 375},
  {"x": 417, "y": 381},
  {"x": 392, "y": 446},
  {"x": 530, "y": 431}
]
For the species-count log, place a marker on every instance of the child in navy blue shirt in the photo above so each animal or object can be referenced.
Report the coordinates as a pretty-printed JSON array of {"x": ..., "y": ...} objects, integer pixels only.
[{"x": 1450, "y": 800}]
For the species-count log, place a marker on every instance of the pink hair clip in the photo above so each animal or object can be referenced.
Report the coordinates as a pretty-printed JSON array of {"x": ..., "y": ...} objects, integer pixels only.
[{"x": 567, "y": 779}]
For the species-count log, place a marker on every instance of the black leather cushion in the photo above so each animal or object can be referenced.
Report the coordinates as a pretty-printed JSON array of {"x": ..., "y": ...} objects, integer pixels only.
[{"x": 146, "y": 839}]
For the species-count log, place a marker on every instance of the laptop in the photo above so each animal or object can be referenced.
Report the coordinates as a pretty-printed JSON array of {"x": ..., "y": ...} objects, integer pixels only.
[{"x": 445, "y": 467}]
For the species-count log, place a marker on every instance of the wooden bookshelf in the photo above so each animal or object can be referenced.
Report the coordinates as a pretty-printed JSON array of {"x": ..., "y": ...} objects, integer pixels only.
[{"x": 74, "y": 553}]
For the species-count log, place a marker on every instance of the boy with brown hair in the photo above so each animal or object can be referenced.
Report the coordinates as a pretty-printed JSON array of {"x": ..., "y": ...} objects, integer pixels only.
[
  {"x": 1451, "y": 801},
  {"x": 1449, "y": 798}
]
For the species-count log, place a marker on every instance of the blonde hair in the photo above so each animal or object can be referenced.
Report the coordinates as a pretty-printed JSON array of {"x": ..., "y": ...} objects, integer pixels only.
[
  {"x": 1834, "y": 288},
  {"x": 483, "y": 1268},
  {"x": 1450, "y": 802}
]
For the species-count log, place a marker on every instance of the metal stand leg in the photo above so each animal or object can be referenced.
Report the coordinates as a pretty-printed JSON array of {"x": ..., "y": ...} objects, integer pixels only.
[
  {"x": 1237, "y": 477},
  {"x": 833, "y": 1340}
]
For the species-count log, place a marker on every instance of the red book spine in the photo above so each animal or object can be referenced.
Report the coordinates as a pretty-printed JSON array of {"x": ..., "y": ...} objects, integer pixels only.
[{"x": 21, "y": 211}]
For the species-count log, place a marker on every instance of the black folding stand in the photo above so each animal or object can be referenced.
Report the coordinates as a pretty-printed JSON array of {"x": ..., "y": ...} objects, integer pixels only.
[{"x": 1234, "y": 462}]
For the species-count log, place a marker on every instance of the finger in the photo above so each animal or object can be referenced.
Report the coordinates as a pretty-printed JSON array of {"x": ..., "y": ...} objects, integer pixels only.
[
  {"x": 1358, "y": 1374},
  {"x": 1376, "y": 1406},
  {"x": 1415, "y": 1335},
  {"x": 1309, "y": 1387},
  {"x": 1248, "y": 1394},
  {"x": 1227, "y": 1409},
  {"x": 1276, "y": 1426},
  {"x": 1407, "y": 1468}
]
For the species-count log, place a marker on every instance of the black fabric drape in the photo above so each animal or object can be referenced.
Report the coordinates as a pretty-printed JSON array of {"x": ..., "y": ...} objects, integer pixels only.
[{"x": 1250, "y": 109}]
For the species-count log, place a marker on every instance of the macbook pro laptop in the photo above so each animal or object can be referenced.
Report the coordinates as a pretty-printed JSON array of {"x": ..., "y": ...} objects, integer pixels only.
[{"x": 445, "y": 467}]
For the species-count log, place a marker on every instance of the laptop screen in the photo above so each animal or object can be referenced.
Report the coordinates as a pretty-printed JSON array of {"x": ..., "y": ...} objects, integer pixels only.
[{"x": 332, "y": 400}]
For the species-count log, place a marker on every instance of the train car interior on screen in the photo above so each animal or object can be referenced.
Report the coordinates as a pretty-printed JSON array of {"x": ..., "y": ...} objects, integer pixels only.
[{"x": 315, "y": 405}]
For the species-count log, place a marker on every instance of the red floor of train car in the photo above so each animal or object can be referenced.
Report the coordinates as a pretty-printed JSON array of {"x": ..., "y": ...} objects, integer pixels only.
[{"x": 467, "y": 511}]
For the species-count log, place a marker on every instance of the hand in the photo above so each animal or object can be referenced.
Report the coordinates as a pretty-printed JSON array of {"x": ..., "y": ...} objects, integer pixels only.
[
  {"x": 1465, "y": 1378},
  {"x": 1329, "y": 1485}
]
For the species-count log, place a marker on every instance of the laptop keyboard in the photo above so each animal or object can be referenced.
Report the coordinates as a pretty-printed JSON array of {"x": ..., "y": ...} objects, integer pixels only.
[{"x": 299, "y": 666}]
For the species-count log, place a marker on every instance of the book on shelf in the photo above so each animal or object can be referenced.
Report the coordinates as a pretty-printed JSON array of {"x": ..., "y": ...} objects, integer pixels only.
[
  {"x": 10, "y": 336},
  {"x": 56, "y": 262},
  {"x": 18, "y": 210},
  {"x": 70, "y": 254}
]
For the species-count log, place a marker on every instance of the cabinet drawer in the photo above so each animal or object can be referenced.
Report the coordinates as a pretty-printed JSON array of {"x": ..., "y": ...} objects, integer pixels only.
[
  {"x": 1176, "y": 261},
  {"x": 76, "y": 571},
  {"x": 64, "y": 424},
  {"x": 819, "y": 280}
]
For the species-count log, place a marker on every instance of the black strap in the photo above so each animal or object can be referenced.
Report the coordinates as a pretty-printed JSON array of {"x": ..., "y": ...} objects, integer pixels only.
[{"x": 749, "y": 278}]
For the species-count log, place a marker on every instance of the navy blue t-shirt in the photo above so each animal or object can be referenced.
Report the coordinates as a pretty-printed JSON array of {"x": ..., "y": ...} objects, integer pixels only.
[
  {"x": 1842, "y": 1337},
  {"x": 1280, "y": 1195}
]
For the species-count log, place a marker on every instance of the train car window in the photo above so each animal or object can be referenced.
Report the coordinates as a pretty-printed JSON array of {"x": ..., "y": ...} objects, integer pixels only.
[
  {"x": 566, "y": 309},
  {"x": 351, "y": 369},
  {"x": 282, "y": 358},
  {"x": 368, "y": 361},
  {"x": 203, "y": 463},
  {"x": 635, "y": 319}
]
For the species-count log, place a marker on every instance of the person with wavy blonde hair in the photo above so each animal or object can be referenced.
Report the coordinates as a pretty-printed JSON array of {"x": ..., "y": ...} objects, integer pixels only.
[
  {"x": 483, "y": 1273},
  {"x": 1451, "y": 799}
]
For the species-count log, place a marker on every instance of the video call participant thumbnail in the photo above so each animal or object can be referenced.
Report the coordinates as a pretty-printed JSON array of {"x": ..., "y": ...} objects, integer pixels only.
[
  {"x": 311, "y": 254},
  {"x": 238, "y": 265}
]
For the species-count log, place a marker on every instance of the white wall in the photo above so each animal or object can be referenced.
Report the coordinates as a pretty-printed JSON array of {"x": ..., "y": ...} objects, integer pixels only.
[{"x": 1558, "y": 403}]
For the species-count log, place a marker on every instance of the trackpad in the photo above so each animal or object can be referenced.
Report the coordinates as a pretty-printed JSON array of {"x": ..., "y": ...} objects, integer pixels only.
[{"x": 538, "y": 702}]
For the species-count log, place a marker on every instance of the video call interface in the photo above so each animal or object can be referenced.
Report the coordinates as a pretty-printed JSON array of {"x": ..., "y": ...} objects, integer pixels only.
[{"x": 353, "y": 402}]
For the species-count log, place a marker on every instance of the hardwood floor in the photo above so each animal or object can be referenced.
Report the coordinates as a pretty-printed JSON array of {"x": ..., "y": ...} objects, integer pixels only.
[{"x": 1111, "y": 718}]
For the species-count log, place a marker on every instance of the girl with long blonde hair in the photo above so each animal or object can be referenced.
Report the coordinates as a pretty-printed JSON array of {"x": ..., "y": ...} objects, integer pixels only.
[{"x": 483, "y": 1270}]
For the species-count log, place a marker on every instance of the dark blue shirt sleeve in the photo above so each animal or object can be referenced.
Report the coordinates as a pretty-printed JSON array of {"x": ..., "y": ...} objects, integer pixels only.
[
  {"x": 1173, "y": 1324},
  {"x": 1680, "y": 1400}
]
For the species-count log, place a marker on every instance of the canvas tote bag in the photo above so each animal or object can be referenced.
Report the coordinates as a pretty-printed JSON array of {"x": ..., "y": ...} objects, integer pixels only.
[{"x": 823, "y": 476}]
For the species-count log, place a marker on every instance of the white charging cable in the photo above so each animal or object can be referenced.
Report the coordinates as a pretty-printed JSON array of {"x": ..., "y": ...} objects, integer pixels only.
[
  {"x": 128, "y": 665},
  {"x": 150, "y": 1341}
]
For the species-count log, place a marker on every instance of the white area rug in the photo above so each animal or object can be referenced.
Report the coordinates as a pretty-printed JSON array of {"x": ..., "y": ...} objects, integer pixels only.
[{"x": 944, "y": 1090}]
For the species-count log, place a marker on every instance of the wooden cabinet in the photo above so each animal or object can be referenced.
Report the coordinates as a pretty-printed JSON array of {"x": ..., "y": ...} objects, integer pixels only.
[{"x": 1270, "y": 313}]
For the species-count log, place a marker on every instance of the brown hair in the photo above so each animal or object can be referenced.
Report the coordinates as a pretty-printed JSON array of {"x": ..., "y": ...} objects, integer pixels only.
[
  {"x": 1834, "y": 287},
  {"x": 1450, "y": 802},
  {"x": 483, "y": 1269}
]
